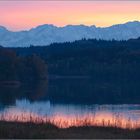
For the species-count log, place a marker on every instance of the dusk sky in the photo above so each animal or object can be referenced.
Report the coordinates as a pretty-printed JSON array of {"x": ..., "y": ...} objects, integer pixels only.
[{"x": 23, "y": 15}]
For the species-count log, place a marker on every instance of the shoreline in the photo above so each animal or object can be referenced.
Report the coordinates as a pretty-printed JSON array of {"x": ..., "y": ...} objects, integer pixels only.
[{"x": 48, "y": 131}]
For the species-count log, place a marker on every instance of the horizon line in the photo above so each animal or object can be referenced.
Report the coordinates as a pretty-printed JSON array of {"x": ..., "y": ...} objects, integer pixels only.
[{"x": 57, "y": 26}]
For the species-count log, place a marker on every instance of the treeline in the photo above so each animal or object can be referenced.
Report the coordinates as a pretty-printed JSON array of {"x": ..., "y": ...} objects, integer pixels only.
[
  {"x": 111, "y": 69},
  {"x": 19, "y": 68},
  {"x": 96, "y": 58}
]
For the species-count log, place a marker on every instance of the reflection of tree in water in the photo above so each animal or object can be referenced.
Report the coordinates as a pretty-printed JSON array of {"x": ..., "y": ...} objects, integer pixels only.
[
  {"x": 36, "y": 91},
  {"x": 8, "y": 95},
  {"x": 32, "y": 92},
  {"x": 93, "y": 91}
]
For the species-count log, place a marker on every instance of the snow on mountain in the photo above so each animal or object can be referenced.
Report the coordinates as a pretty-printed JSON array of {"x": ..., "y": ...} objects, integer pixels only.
[{"x": 48, "y": 33}]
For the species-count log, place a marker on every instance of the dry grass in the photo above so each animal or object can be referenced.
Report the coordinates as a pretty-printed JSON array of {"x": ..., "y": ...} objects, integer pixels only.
[
  {"x": 47, "y": 130},
  {"x": 29, "y": 125},
  {"x": 65, "y": 122}
]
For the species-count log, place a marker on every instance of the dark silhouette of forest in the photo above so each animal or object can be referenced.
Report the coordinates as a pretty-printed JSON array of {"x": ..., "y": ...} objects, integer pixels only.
[
  {"x": 111, "y": 69},
  {"x": 21, "y": 69},
  {"x": 96, "y": 58}
]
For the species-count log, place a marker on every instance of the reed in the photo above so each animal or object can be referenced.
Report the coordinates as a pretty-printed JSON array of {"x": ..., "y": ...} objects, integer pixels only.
[
  {"x": 63, "y": 122},
  {"x": 24, "y": 130}
]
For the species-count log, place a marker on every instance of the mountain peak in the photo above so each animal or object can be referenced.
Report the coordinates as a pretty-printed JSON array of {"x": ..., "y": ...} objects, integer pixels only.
[
  {"x": 44, "y": 26},
  {"x": 48, "y": 33},
  {"x": 2, "y": 28},
  {"x": 134, "y": 23}
]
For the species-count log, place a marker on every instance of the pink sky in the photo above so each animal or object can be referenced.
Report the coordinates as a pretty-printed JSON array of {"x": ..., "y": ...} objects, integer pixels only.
[{"x": 21, "y": 15}]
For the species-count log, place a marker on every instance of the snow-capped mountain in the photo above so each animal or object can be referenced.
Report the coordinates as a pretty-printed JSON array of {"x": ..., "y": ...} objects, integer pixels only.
[{"x": 47, "y": 34}]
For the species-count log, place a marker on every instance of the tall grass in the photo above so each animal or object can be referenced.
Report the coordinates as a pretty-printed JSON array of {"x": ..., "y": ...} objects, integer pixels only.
[{"x": 117, "y": 121}]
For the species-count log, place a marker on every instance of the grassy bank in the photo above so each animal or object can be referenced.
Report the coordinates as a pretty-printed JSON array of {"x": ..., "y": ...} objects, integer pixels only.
[{"x": 31, "y": 130}]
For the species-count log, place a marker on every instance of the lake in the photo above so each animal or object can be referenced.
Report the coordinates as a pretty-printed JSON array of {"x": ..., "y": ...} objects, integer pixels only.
[
  {"x": 53, "y": 101},
  {"x": 66, "y": 115}
]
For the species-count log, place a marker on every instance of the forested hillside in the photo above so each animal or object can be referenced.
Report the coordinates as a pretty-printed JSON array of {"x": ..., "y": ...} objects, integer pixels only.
[
  {"x": 21, "y": 69},
  {"x": 110, "y": 70},
  {"x": 90, "y": 57}
]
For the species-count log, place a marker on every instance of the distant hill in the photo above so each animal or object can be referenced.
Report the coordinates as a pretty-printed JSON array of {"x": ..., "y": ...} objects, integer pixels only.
[
  {"x": 47, "y": 34},
  {"x": 84, "y": 71},
  {"x": 84, "y": 56},
  {"x": 91, "y": 71}
]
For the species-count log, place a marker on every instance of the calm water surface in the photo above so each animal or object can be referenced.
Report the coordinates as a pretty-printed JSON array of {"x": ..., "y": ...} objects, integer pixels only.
[
  {"x": 66, "y": 115},
  {"x": 39, "y": 103}
]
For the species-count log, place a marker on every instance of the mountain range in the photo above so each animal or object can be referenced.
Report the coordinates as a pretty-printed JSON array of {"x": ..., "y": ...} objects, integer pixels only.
[{"x": 48, "y": 33}]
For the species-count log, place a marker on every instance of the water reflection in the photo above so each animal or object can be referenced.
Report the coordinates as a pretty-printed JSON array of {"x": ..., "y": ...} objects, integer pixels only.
[
  {"x": 125, "y": 116},
  {"x": 74, "y": 91},
  {"x": 32, "y": 92},
  {"x": 49, "y": 101}
]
